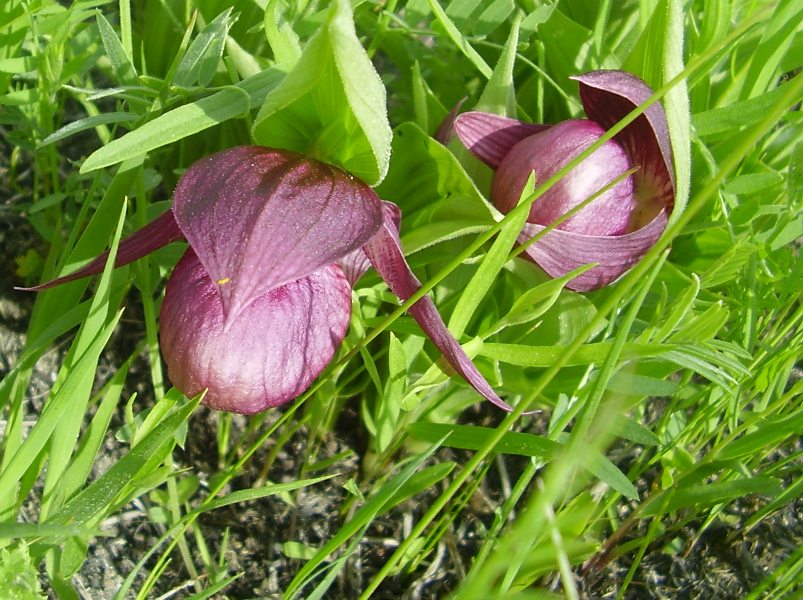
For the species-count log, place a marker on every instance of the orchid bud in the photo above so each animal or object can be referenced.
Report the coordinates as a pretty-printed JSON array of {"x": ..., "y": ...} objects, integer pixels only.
[
  {"x": 546, "y": 153},
  {"x": 622, "y": 220}
]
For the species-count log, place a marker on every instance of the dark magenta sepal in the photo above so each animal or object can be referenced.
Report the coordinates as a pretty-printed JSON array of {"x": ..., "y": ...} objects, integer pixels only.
[
  {"x": 559, "y": 252},
  {"x": 159, "y": 232},
  {"x": 385, "y": 253},
  {"x": 490, "y": 137},
  {"x": 608, "y": 96}
]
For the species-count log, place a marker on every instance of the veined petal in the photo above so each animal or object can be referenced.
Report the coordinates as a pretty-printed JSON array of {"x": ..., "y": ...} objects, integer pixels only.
[
  {"x": 356, "y": 263},
  {"x": 384, "y": 251},
  {"x": 490, "y": 137},
  {"x": 545, "y": 153},
  {"x": 559, "y": 252},
  {"x": 159, "y": 232},
  {"x": 258, "y": 218},
  {"x": 607, "y": 97},
  {"x": 270, "y": 351}
]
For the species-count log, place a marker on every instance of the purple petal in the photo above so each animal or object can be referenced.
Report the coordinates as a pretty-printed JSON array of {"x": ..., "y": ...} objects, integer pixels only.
[
  {"x": 546, "y": 153},
  {"x": 490, "y": 137},
  {"x": 160, "y": 232},
  {"x": 356, "y": 263},
  {"x": 607, "y": 97},
  {"x": 267, "y": 354},
  {"x": 445, "y": 130},
  {"x": 258, "y": 218},
  {"x": 384, "y": 251},
  {"x": 559, "y": 252}
]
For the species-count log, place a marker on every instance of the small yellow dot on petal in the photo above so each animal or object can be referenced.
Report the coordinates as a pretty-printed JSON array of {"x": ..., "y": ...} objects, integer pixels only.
[{"x": 223, "y": 281}]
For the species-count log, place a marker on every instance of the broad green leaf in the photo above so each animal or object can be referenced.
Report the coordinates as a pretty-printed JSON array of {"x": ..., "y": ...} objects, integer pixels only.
[
  {"x": 733, "y": 117},
  {"x": 776, "y": 39},
  {"x": 332, "y": 105},
  {"x": 603, "y": 469},
  {"x": 184, "y": 121},
  {"x": 201, "y": 60},
  {"x": 436, "y": 196},
  {"x": 768, "y": 433},
  {"x": 635, "y": 432}
]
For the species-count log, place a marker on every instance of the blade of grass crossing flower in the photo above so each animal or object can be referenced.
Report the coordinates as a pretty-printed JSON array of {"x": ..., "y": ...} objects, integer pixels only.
[{"x": 491, "y": 265}]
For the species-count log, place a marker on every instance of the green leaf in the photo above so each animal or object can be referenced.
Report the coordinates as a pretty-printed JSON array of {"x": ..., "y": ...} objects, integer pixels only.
[
  {"x": 736, "y": 115},
  {"x": 174, "y": 125},
  {"x": 460, "y": 41},
  {"x": 707, "y": 495},
  {"x": 121, "y": 63},
  {"x": 87, "y": 123},
  {"x": 603, "y": 469},
  {"x": 281, "y": 37},
  {"x": 473, "y": 438},
  {"x": 499, "y": 95},
  {"x": 200, "y": 63},
  {"x": 332, "y": 105}
]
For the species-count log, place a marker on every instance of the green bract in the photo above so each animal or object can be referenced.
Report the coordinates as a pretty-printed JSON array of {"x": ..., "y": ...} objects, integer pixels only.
[{"x": 332, "y": 104}]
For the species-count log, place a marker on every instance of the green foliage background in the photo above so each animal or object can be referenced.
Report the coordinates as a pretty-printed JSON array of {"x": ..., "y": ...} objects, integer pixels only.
[{"x": 686, "y": 365}]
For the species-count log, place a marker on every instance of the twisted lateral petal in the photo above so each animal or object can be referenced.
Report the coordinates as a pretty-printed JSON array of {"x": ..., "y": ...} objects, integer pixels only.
[
  {"x": 159, "y": 232},
  {"x": 270, "y": 352},
  {"x": 559, "y": 252},
  {"x": 384, "y": 251},
  {"x": 356, "y": 263},
  {"x": 608, "y": 96},
  {"x": 490, "y": 137},
  {"x": 258, "y": 218}
]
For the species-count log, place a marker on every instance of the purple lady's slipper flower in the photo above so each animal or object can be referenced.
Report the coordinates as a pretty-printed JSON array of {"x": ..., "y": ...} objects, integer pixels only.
[
  {"x": 261, "y": 299},
  {"x": 616, "y": 228}
]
